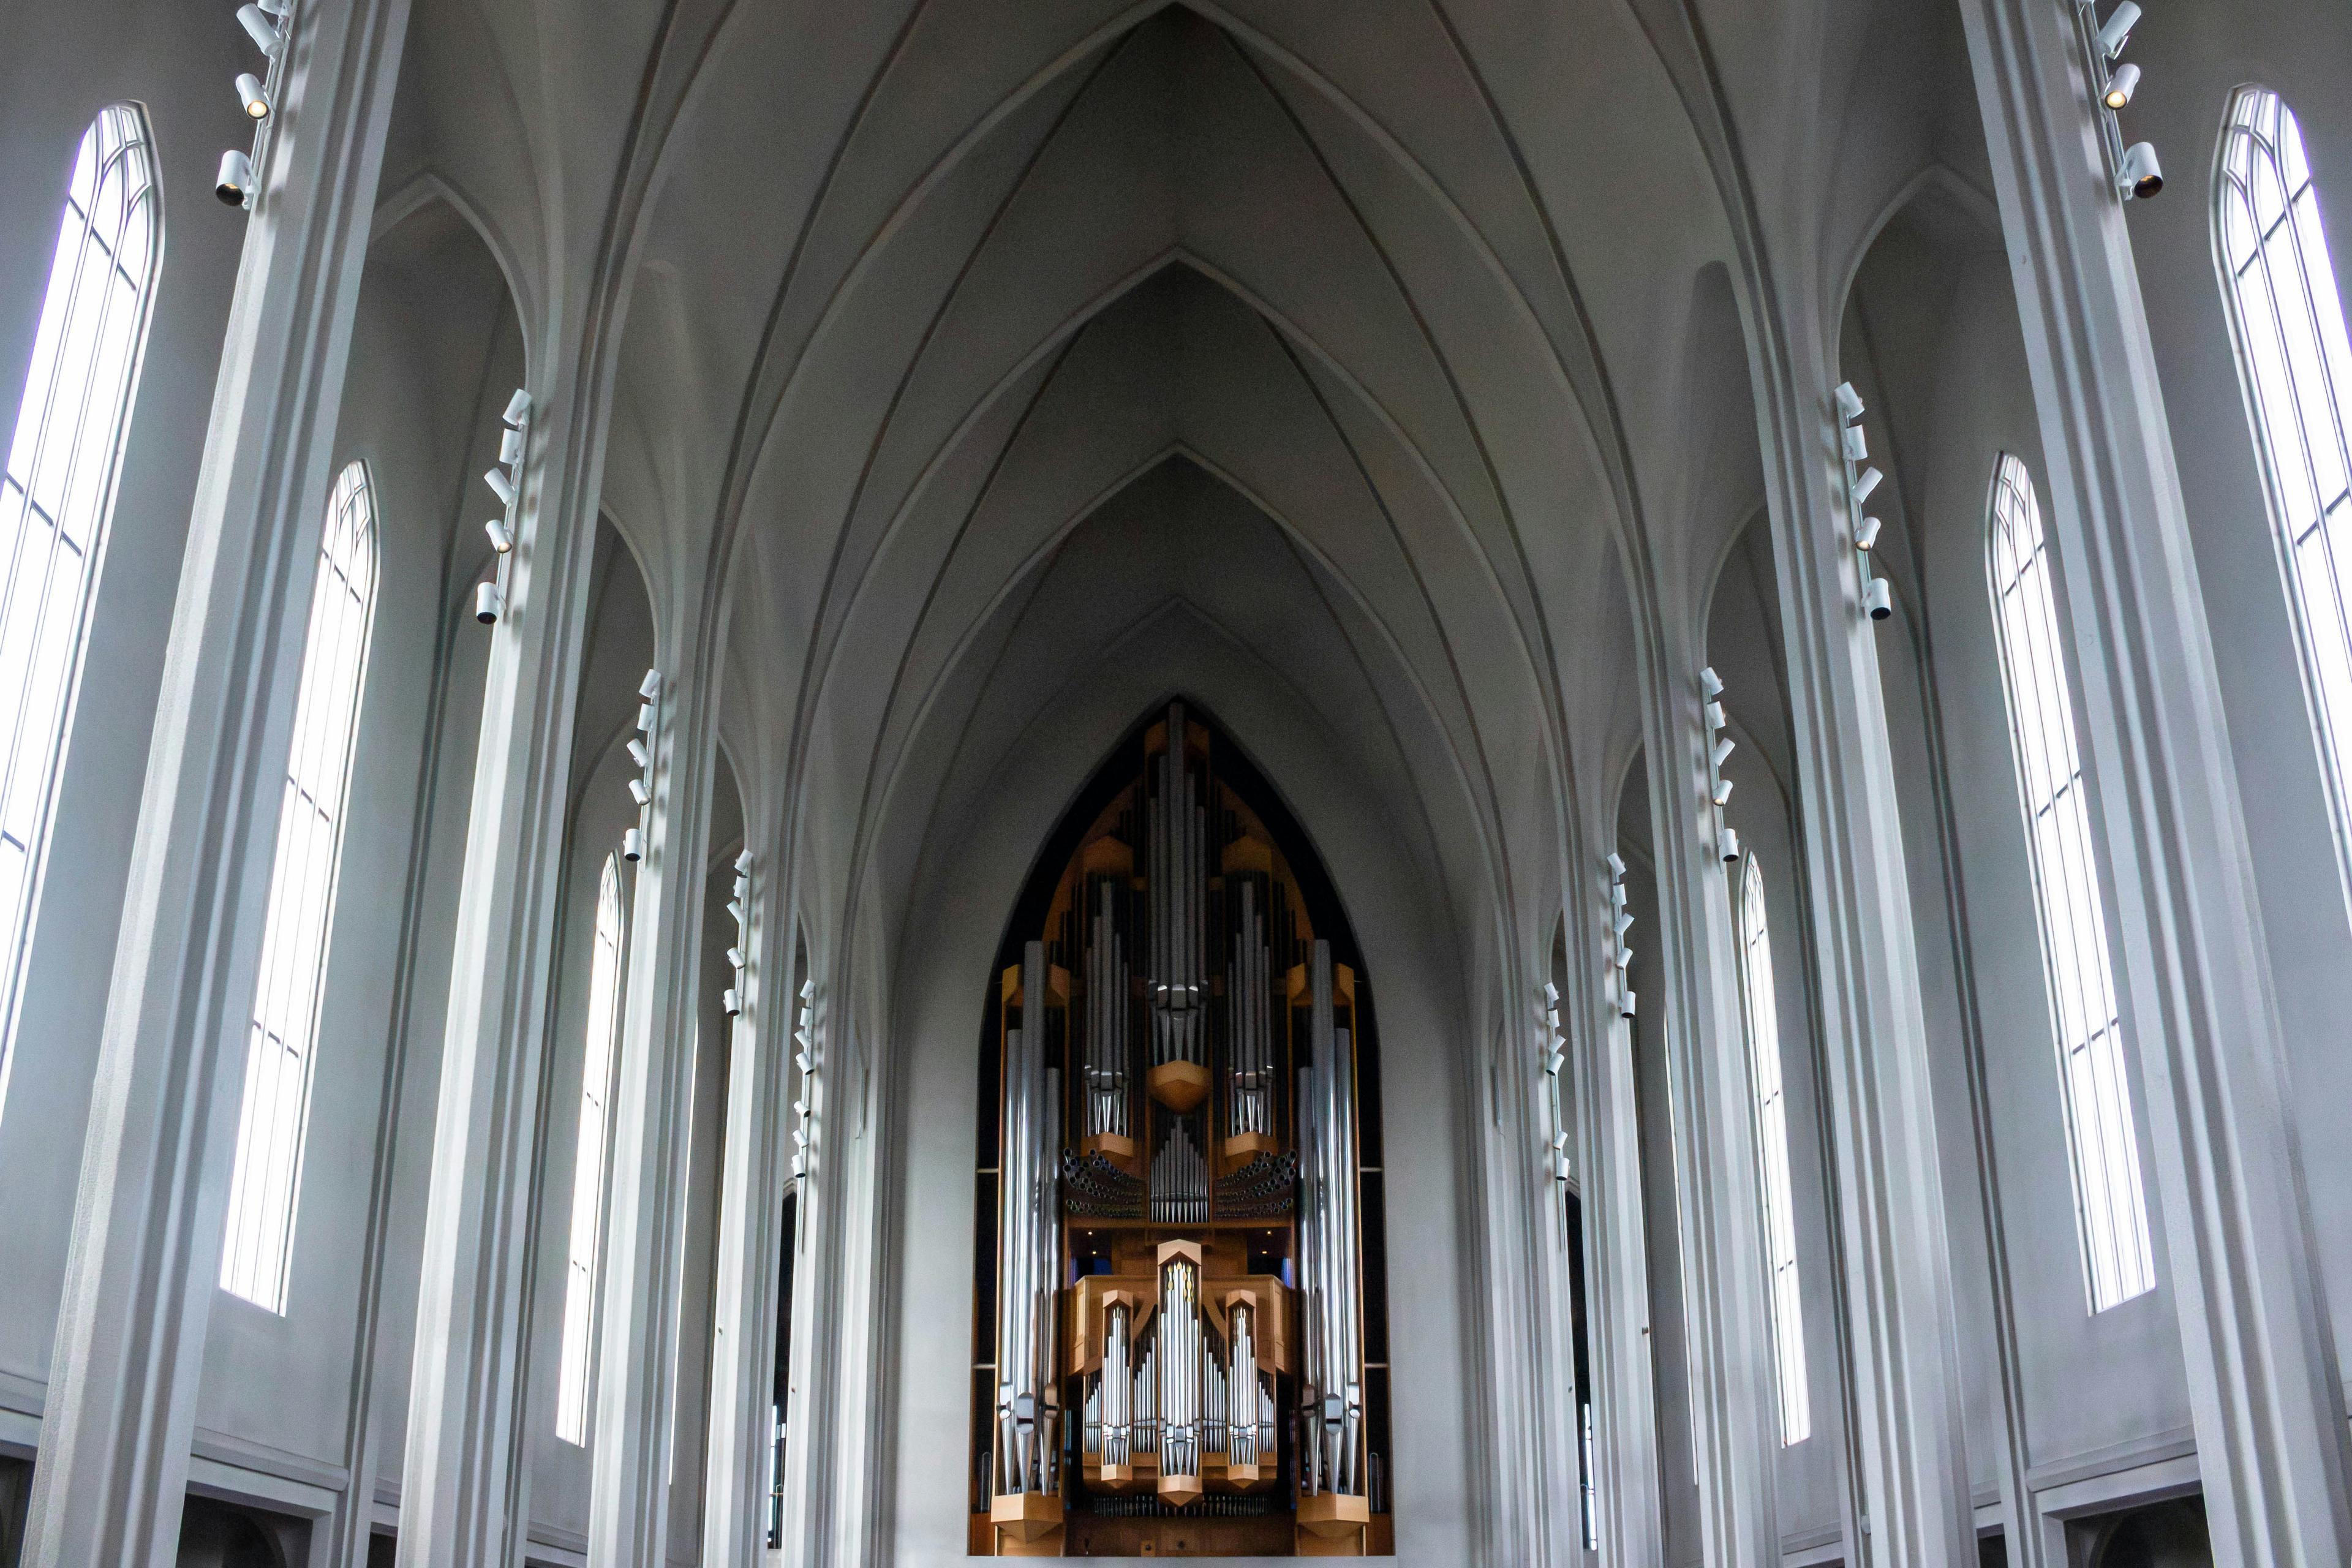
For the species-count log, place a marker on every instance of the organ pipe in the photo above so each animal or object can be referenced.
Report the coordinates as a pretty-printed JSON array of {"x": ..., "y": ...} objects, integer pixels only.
[{"x": 1180, "y": 1309}]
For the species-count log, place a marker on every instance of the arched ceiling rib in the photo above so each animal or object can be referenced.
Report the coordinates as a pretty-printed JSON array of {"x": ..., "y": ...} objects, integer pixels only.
[{"x": 929, "y": 299}]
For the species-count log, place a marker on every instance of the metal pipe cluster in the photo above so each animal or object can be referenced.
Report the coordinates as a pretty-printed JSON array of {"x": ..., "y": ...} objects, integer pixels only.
[
  {"x": 1028, "y": 1216},
  {"x": 1179, "y": 1347},
  {"x": 1249, "y": 995},
  {"x": 1178, "y": 870},
  {"x": 1180, "y": 1178},
  {"x": 1331, "y": 1397},
  {"x": 1117, "y": 1393},
  {"x": 1250, "y": 1413},
  {"x": 1107, "y": 1020}
]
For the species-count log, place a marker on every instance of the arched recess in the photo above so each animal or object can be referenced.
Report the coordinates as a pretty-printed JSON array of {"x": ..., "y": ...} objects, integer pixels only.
[
  {"x": 1180, "y": 1044},
  {"x": 619, "y": 649},
  {"x": 437, "y": 347},
  {"x": 1929, "y": 338}
]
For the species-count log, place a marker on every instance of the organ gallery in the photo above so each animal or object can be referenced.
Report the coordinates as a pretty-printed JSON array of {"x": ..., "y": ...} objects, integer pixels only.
[{"x": 1181, "y": 1337}]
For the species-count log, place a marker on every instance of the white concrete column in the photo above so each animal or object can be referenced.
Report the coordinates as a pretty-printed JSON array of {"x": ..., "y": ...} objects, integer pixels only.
[
  {"x": 1724, "y": 1269},
  {"x": 465, "y": 1489},
  {"x": 750, "y": 1239},
  {"x": 1907, "y": 1397},
  {"x": 149, "y": 1215},
  {"x": 2195, "y": 988},
  {"x": 637, "y": 1351},
  {"x": 1623, "y": 1388}
]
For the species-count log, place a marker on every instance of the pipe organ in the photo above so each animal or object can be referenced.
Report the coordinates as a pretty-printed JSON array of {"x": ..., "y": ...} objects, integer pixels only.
[{"x": 1181, "y": 1338}]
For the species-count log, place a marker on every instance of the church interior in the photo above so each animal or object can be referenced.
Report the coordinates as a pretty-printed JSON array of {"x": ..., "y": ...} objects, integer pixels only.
[{"x": 1561, "y": 783}]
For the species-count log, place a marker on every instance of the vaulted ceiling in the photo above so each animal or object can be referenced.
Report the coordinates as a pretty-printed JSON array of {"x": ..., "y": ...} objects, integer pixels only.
[{"x": 1389, "y": 347}]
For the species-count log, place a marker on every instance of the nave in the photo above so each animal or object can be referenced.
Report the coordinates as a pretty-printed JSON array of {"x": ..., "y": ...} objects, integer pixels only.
[{"x": 1518, "y": 782}]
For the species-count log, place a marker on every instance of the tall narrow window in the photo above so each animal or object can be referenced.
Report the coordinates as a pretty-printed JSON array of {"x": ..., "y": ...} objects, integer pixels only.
[
  {"x": 588, "y": 1166},
  {"x": 2109, "y": 1203},
  {"x": 2298, "y": 365},
  {"x": 282, "y": 1046},
  {"x": 1772, "y": 1155},
  {"x": 59, "y": 489}
]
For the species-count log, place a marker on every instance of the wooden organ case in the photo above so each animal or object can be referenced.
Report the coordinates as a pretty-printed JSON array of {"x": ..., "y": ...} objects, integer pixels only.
[{"x": 1180, "y": 1345}]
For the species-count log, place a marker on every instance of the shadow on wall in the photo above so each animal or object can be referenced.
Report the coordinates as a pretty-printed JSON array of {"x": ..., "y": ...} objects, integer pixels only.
[
  {"x": 2159, "y": 1535},
  {"x": 222, "y": 1535}
]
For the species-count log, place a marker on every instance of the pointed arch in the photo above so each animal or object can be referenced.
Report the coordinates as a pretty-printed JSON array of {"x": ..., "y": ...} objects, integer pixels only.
[
  {"x": 57, "y": 494},
  {"x": 1759, "y": 999},
  {"x": 2110, "y": 1203},
  {"x": 282, "y": 1046},
  {"x": 575, "y": 1371},
  {"x": 2278, "y": 282}
]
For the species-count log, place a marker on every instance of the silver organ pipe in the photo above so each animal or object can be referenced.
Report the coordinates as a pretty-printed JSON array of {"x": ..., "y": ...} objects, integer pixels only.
[
  {"x": 1204, "y": 1237},
  {"x": 1179, "y": 876},
  {"x": 1331, "y": 1394},
  {"x": 1117, "y": 1393},
  {"x": 1179, "y": 1179},
  {"x": 1180, "y": 1346},
  {"x": 1248, "y": 993},
  {"x": 1247, "y": 1405},
  {"x": 1107, "y": 1019},
  {"x": 1029, "y": 1219}
]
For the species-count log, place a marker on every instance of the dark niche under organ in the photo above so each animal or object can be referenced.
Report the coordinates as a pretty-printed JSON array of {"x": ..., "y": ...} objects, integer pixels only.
[{"x": 1180, "y": 1336}]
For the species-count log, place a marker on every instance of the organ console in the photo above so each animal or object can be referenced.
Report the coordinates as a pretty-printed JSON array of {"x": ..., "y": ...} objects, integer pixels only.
[{"x": 1181, "y": 1345}]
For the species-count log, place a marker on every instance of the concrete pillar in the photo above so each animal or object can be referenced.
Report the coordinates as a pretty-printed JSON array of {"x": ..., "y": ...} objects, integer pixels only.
[
  {"x": 2195, "y": 988},
  {"x": 636, "y": 1354},
  {"x": 465, "y": 1488},
  {"x": 153, "y": 1198},
  {"x": 1910, "y": 1493},
  {"x": 1724, "y": 1265},
  {"x": 750, "y": 1239},
  {"x": 1616, "y": 1281}
]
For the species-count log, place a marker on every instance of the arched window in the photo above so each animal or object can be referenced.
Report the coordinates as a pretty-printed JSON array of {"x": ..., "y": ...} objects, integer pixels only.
[
  {"x": 1762, "y": 1005},
  {"x": 59, "y": 489},
  {"x": 2109, "y": 1202},
  {"x": 588, "y": 1164},
  {"x": 282, "y": 1048},
  {"x": 2297, "y": 366}
]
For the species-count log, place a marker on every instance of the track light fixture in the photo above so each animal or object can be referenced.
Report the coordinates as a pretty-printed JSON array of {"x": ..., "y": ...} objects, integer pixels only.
[
  {"x": 2137, "y": 175},
  {"x": 1719, "y": 749},
  {"x": 505, "y": 482},
  {"x": 811, "y": 1062},
  {"x": 731, "y": 1000},
  {"x": 269, "y": 38},
  {"x": 1553, "y": 1054},
  {"x": 266, "y": 24},
  {"x": 641, "y": 786},
  {"x": 2116, "y": 32},
  {"x": 1617, "y": 957},
  {"x": 1860, "y": 482},
  {"x": 235, "y": 187}
]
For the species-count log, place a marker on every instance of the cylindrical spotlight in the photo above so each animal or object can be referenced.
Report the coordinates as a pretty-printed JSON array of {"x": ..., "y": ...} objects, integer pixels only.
[
  {"x": 1877, "y": 600},
  {"x": 235, "y": 187},
  {"x": 2140, "y": 175},
  {"x": 488, "y": 603},
  {"x": 2121, "y": 86},
  {"x": 633, "y": 845},
  {"x": 252, "y": 96}
]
